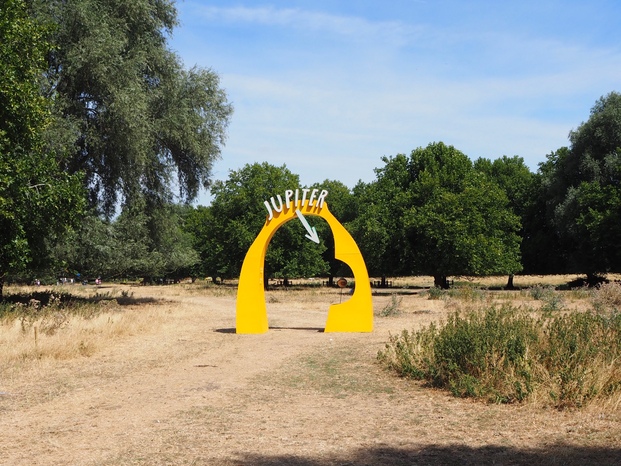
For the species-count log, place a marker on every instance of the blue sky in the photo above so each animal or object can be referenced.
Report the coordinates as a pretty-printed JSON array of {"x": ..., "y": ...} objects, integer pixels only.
[{"x": 329, "y": 87}]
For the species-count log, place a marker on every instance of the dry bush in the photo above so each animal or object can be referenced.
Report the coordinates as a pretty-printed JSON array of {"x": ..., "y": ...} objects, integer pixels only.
[{"x": 607, "y": 297}]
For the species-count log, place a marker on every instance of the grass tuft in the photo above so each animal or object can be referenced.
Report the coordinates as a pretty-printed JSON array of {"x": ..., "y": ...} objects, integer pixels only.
[{"x": 393, "y": 308}]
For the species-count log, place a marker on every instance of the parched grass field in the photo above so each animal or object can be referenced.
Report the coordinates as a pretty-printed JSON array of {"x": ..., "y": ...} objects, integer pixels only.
[{"x": 133, "y": 375}]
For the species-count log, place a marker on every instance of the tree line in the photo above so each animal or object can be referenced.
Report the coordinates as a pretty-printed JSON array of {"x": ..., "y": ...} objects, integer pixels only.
[
  {"x": 438, "y": 212},
  {"x": 434, "y": 211},
  {"x": 106, "y": 139}
]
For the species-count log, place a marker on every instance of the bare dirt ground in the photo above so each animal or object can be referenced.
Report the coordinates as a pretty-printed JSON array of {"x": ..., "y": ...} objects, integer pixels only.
[{"x": 187, "y": 390}]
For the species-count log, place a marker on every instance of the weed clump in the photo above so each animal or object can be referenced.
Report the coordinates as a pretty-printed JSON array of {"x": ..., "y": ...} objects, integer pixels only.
[
  {"x": 393, "y": 308},
  {"x": 508, "y": 355}
]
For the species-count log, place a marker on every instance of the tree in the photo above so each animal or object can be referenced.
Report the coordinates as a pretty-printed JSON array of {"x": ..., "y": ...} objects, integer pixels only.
[
  {"x": 582, "y": 185},
  {"x": 237, "y": 215},
  {"x": 517, "y": 181},
  {"x": 38, "y": 201},
  {"x": 442, "y": 217},
  {"x": 91, "y": 249},
  {"x": 134, "y": 120},
  {"x": 469, "y": 232},
  {"x": 197, "y": 224}
]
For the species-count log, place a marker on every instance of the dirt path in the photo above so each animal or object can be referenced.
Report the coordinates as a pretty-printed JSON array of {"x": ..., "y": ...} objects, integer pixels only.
[{"x": 194, "y": 392}]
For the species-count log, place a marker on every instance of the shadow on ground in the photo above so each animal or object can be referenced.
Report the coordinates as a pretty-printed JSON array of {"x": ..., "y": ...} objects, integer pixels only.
[
  {"x": 311, "y": 329},
  {"x": 555, "y": 454},
  {"x": 65, "y": 299}
]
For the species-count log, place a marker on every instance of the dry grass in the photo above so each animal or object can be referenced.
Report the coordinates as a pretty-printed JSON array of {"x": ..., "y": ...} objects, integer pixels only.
[
  {"x": 167, "y": 381},
  {"x": 78, "y": 336},
  {"x": 59, "y": 335},
  {"x": 34, "y": 332}
]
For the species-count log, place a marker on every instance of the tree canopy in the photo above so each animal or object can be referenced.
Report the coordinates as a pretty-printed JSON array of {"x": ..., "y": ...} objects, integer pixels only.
[
  {"x": 236, "y": 215},
  {"x": 38, "y": 200},
  {"x": 438, "y": 216},
  {"x": 133, "y": 119},
  {"x": 97, "y": 112},
  {"x": 582, "y": 186},
  {"x": 126, "y": 247}
]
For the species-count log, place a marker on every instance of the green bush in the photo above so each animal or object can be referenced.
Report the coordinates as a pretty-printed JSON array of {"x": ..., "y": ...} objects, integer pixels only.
[
  {"x": 552, "y": 299},
  {"x": 539, "y": 292},
  {"x": 506, "y": 355},
  {"x": 435, "y": 293},
  {"x": 466, "y": 293}
]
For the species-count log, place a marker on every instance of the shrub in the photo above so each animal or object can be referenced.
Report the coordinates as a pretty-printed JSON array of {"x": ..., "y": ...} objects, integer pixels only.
[
  {"x": 480, "y": 354},
  {"x": 505, "y": 355},
  {"x": 552, "y": 300},
  {"x": 580, "y": 354},
  {"x": 467, "y": 293},
  {"x": 435, "y": 293},
  {"x": 540, "y": 293},
  {"x": 607, "y": 297}
]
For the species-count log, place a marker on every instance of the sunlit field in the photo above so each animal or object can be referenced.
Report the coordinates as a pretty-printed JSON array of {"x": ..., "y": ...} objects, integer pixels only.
[{"x": 131, "y": 374}]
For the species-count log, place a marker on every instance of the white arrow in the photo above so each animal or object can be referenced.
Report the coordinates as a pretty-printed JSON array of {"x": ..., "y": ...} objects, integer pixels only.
[{"x": 312, "y": 232}]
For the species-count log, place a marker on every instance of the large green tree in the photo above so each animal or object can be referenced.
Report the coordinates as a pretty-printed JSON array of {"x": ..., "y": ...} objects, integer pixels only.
[
  {"x": 135, "y": 121},
  {"x": 379, "y": 227},
  {"x": 38, "y": 201},
  {"x": 198, "y": 223},
  {"x": 439, "y": 216},
  {"x": 582, "y": 186}
]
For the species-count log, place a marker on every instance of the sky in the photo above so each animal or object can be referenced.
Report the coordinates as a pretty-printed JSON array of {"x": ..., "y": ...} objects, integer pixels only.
[{"x": 328, "y": 88}]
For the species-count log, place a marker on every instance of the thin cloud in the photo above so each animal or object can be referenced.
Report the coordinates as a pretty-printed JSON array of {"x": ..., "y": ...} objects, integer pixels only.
[
  {"x": 330, "y": 93},
  {"x": 393, "y": 32}
]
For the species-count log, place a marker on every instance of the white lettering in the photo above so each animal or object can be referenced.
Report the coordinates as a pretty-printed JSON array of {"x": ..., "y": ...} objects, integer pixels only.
[
  {"x": 277, "y": 209},
  {"x": 291, "y": 195},
  {"x": 321, "y": 198},
  {"x": 269, "y": 210},
  {"x": 312, "y": 198},
  {"x": 304, "y": 193},
  {"x": 288, "y": 194}
]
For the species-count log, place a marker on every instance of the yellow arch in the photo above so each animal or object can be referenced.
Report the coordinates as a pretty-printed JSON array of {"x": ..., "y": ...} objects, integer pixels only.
[{"x": 354, "y": 315}]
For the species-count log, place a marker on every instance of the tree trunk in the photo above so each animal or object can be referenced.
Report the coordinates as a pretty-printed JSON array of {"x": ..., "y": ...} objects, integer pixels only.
[
  {"x": 510, "y": 283},
  {"x": 440, "y": 281}
]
